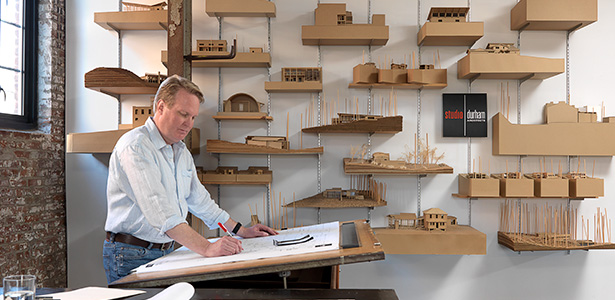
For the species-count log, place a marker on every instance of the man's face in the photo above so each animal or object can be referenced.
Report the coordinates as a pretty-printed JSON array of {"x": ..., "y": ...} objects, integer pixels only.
[{"x": 175, "y": 122}]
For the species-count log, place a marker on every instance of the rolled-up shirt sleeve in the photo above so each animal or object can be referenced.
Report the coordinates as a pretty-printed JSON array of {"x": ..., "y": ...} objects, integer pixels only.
[{"x": 203, "y": 206}]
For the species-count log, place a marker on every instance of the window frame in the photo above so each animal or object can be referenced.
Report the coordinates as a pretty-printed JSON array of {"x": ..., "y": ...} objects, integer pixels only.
[{"x": 29, "y": 119}]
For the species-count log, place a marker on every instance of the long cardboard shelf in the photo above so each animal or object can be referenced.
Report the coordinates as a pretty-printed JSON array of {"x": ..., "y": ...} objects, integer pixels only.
[
  {"x": 529, "y": 242},
  {"x": 574, "y": 139},
  {"x": 345, "y": 35},
  {"x": 450, "y": 33},
  {"x": 104, "y": 141},
  {"x": 399, "y": 86},
  {"x": 218, "y": 146},
  {"x": 133, "y": 20},
  {"x": 241, "y": 60},
  {"x": 358, "y": 168},
  {"x": 118, "y": 81},
  {"x": 240, "y": 8},
  {"x": 456, "y": 240},
  {"x": 507, "y": 66},
  {"x": 566, "y": 15},
  {"x": 380, "y": 125},
  {"x": 293, "y": 87}
]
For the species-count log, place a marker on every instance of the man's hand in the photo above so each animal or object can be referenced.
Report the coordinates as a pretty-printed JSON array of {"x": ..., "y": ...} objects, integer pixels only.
[
  {"x": 256, "y": 231},
  {"x": 226, "y": 245}
]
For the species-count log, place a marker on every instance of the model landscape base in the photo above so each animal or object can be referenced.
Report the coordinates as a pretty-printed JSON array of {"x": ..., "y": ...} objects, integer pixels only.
[
  {"x": 354, "y": 123},
  {"x": 218, "y": 146},
  {"x": 534, "y": 242},
  {"x": 318, "y": 201},
  {"x": 477, "y": 65},
  {"x": 118, "y": 81},
  {"x": 364, "y": 167},
  {"x": 232, "y": 175},
  {"x": 456, "y": 240}
]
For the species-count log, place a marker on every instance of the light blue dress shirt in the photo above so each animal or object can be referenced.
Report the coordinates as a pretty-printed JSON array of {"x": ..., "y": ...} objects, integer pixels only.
[{"x": 152, "y": 186}]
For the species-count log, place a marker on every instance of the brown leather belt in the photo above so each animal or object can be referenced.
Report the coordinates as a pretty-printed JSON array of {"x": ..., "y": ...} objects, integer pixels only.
[{"x": 135, "y": 241}]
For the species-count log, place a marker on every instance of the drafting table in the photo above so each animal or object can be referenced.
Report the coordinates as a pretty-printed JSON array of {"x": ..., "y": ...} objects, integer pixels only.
[{"x": 368, "y": 249}]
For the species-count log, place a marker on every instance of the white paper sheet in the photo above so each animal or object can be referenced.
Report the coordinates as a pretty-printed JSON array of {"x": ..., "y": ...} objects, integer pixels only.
[
  {"x": 325, "y": 238},
  {"x": 95, "y": 293},
  {"x": 178, "y": 291}
]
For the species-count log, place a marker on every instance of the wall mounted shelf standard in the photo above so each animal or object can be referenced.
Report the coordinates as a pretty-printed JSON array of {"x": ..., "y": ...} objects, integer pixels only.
[
  {"x": 132, "y": 20},
  {"x": 240, "y": 8},
  {"x": 564, "y": 15}
]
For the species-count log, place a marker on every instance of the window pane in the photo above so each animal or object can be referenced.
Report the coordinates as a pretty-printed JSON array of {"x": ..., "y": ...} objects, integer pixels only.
[
  {"x": 10, "y": 81},
  {"x": 10, "y": 46},
  {"x": 11, "y": 11}
]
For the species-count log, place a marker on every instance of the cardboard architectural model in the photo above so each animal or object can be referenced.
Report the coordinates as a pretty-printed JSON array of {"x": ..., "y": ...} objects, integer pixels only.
[
  {"x": 565, "y": 15},
  {"x": 503, "y": 61},
  {"x": 366, "y": 192},
  {"x": 333, "y": 25},
  {"x": 433, "y": 233},
  {"x": 582, "y": 186},
  {"x": 259, "y": 145},
  {"x": 357, "y": 123},
  {"x": 514, "y": 184},
  {"x": 544, "y": 227},
  {"x": 242, "y": 106},
  {"x": 118, "y": 81},
  {"x": 566, "y": 132},
  {"x": 232, "y": 175},
  {"x": 380, "y": 163},
  {"x": 240, "y": 8},
  {"x": 478, "y": 185},
  {"x": 398, "y": 75},
  {"x": 219, "y": 56},
  {"x": 135, "y": 16},
  {"x": 449, "y": 26},
  {"x": 297, "y": 80}
]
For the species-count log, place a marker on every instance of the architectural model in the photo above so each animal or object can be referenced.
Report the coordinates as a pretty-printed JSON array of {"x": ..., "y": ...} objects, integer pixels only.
[
  {"x": 118, "y": 81},
  {"x": 135, "y": 16},
  {"x": 449, "y": 26},
  {"x": 259, "y": 145},
  {"x": 514, "y": 184},
  {"x": 356, "y": 123},
  {"x": 503, "y": 61},
  {"x": 478, "y": 184},
  {"x": 333, "y": 25},
  {"x": 240, "y": 8},
  {"x": 543, "y": 227},
  {"x": 366, "y": 192},
  {"x": 566, "y": 131},
  {"x": 242, "y": 106},
  {"x": 435, "y": 232},
  {"x": 380, "y": 163},
  {"x": 232, "y": 175},
  {"x": 567, "y": 15},
  {"x": 129, "y": 6},
  {"x": 299, "y": 80},
  {"x": 215, "y": 54}
]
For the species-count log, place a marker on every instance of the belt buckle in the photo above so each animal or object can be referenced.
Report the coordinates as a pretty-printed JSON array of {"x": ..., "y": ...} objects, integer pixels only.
[{"x": 164, "y": 246}]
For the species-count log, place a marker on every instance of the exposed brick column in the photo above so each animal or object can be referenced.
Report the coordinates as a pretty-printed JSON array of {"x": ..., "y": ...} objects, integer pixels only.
[{"x": 32, "y": 177}]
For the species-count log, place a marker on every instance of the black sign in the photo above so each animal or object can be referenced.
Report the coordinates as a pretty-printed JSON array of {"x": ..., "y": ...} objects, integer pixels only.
[{"x": 465, "y": 115}]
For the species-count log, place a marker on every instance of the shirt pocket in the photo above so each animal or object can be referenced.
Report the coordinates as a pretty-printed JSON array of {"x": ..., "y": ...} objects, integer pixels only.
[{"x": 185, "y": 183}]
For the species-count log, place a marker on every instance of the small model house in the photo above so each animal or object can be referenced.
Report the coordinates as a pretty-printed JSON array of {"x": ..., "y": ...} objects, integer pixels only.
[
  {"x": 435, "y": 219},
  {"x": 212, "y": 46},
  {"x": 402, "y": 220},
  {"x": 300, "y": 80},
  {"x": 140, "y": 115},
  {"x": 333, "y": 25},
  {"x": 449, "y": 26},
  {"x": 242, "y": 106}
]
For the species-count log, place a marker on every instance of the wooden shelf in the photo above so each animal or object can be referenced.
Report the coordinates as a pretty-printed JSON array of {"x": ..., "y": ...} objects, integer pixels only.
[
  {"x": 240, "y": 8},
  {"x": 525, "y": 242},
  {"x": 319, "y": 202},
  {"x": 117, "y": 81},
  {"x": 345, "y": 35},
  {"x": 507, "y": 66},
  {"x": 293, "y": 87},
  {"x": 456, "y": 240},
  {"x": 241, "y": 60},
  {"x": 218, "y": 146},
  {"x": 564, "y": 15},
  {"x": 450, "y": 33},
  {"x": 242, "y": 116},
  {"x": 411, "y": 169},
  {"x": 104, "y": 141},
  {"x": 235, "y": 183},
  {"x": 132, "y": 20},
  {"x": 399, "y": 86},
  {"x": 380, "y": 125},
  {"x": 515, "y": 197}
]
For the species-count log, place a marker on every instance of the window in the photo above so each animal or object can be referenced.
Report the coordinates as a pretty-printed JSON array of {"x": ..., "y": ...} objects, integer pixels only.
[{"x": 18, "y": 64}]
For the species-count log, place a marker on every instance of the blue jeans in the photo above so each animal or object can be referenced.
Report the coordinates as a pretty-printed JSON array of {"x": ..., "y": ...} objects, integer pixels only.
[{"x": 119, "y": 258}]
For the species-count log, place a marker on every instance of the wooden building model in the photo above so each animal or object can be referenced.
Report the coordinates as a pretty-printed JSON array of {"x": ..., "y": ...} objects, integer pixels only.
[
  {"x": 154, "y": 78},
  {"x": 497, "y": 48},
  {"x": 449, "y": 26},
  {"x": 402, "y": 221},
  {"x": 212, "y": 46},
  {"x": 242, "y": 102},
  {"x": 278, "y": 142},
  {"x": 448, "y": 14},
  {"x": 301, "y": 74},
  {"x": 129, "y": 6},
  {"x": 435, "y": 219}
]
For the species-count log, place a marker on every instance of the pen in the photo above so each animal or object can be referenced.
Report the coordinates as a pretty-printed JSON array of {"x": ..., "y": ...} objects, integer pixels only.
[{"x": 224, "y": 229}]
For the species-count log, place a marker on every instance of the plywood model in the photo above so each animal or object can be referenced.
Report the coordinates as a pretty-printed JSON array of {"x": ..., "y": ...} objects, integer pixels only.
[
  {"x": 368, "y": 193},
  {"x": 503, "y": 61},
  {"x": 448, "y": 26},
  {"x": 359, "y": 123},
  {"x": 564, "y": 15},
  {"x": 242, "y": 106},
  {"x": 218, "y": 146},
  {"x": 240, "y": 8},
  {"x": 297, "y": 80},
  {"x": 118, "y": 81},
  {"x": 241, "y": 60},
  {"x": 574, "y": 139},
  {"x": 333, "y": 25},
  {"x": 232, "y": 175},
  {"x": 104, "y": 141},
  {"x": 133, "y": 20}
]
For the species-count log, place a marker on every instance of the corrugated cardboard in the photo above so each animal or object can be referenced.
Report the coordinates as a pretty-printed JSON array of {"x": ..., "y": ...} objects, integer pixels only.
[
  {"x": 586, "y": 187},
  {"x": 560, "y": 113},
  {"x": 456, "y": 240},
  {"x": 365, "y": 73},
  {"x": 551, "y": 187},
  {"x": 392, "y": 76},
  {"x": 553, "y": 14},
  {"x": 450, "y": 34},
  {"x": 507, "y": 66},
  {"x": 587, "y": 117},
  {"x": 521, "y": 187},
  {"x": 478, "y": 187},
  {"x": 427, "y": 76}
]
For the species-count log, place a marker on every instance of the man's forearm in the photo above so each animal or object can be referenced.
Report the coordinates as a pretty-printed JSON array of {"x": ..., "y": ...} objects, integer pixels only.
[{"x": 185, "y": 235}]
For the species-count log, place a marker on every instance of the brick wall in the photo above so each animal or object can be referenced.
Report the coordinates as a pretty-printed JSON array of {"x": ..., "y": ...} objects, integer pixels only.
[{"x": 32, "y": 179}]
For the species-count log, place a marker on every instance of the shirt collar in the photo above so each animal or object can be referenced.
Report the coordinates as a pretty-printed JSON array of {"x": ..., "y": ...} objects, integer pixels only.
[{"x": 156, "y": 137}]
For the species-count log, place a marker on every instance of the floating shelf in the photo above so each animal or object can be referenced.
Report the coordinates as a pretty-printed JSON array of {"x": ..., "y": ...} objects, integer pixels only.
[
  {"x": 530, "y": 242},
  {"x": 513, "y": 197},
  {"x": 218, "y": 146},
  {"x": 399, "y": 86},
  {"x": 242, "y": 116},
  {"x": 238, "y": 177},
  {"x": 567, "y": 15},
  {"x": 553, "y": 139},
  {"x": 450, "y": 33},
  {"x": 345, "y": 35},
  {"x": 104, "y": 141},
  {"x": 240, "y": 8},
  {"x": 133, "y": 20},
  {"x": 293, "y": 87},
  {"x": 357, "y": 168},
  {"x": 318, "y": 201},
  {"x": 241, "y": 60},
  {"x": 507, "y": 66},
  {"x": 117, "y": 81},
  {"x": 377, "y": 125},
  {"x": 456, "y": 240}
]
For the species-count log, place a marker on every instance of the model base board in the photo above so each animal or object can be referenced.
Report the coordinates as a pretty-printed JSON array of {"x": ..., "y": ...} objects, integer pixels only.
[{"x": 456, "y": 240}]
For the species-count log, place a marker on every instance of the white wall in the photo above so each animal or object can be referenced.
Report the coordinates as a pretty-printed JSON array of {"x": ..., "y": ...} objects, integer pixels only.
[{"x": 501, "y": 273}]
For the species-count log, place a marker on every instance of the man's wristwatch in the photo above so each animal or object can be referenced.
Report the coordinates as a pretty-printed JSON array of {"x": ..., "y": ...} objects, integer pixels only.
[{"x": 237, "y": 227}]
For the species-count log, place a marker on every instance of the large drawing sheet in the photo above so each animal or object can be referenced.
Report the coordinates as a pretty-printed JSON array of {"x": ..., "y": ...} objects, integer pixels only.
[{"x": 325, "y": 238}]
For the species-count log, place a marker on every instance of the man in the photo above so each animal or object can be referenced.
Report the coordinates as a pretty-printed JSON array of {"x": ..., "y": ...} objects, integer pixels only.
[{"x": 153, "y": 184}]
